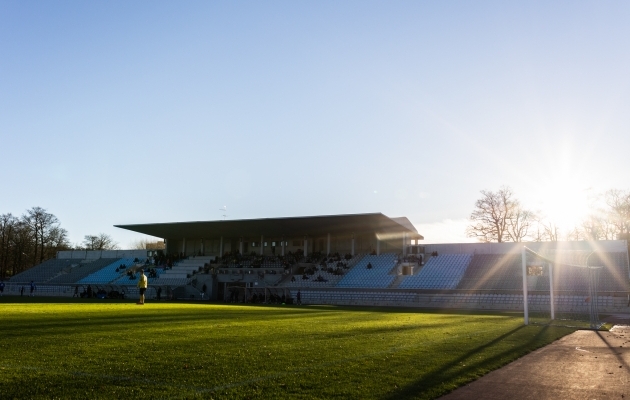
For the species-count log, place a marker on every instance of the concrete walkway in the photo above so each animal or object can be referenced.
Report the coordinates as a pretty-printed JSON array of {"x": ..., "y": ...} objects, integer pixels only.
[{"x": 583, "y": 365}]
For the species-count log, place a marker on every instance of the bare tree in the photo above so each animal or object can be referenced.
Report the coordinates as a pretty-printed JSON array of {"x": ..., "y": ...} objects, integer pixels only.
[
  {"x": 545, "y": 230},
  {"x": 551, "y": 232},
  {"x": 596, "y": 227},
  {"x": 145, "y": 244},
  {"x": 618, "y": 202},
  {"x": 102, "y": 241},
  {"x": 520, "y": 223},
  {"x": 492, "y": 216},
  {"x": 7, "y": 229},
  {"x": 23, "y": 247},
  {"x": 140, "y": 244},
  {"x": 29, "y": 240},
  {"x": 47, "y": 234}
]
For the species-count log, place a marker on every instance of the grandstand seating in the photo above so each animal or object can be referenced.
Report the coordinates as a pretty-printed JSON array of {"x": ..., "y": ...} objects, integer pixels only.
[
  {"x": 493, "y": 271},
  {"x": 126, "y": 280},
  {"x": 329, "y": 280},
  {"x": 450, "y": 280},
  {"x": 179, "y": 275},
  {"x": 441, "y": 272},
  {"x": 185, "y": 268},
  {"x": 182, "y": 272},
  {"x": 168, "y": 280},
  {"x": 80, "y": 271},
  {"x": 45, "y": 271},
  {"x": 108, "y": 273},
  {"x": 254, "y": 261},
  {"x": 376, "y": 277},
  {"x": 613, "y": 277},
  {"x": 489, "y": 301}
]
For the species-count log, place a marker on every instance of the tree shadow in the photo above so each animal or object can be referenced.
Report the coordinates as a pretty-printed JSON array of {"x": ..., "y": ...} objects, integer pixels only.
[{"x": 447, "y": 371}]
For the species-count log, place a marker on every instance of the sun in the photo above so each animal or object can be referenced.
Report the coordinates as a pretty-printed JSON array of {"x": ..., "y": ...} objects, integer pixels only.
[{"x": 563, "y": 200}]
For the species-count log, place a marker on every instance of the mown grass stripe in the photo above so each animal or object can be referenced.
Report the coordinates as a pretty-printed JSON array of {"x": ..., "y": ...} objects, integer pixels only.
[{"x": 199, "y": 351}]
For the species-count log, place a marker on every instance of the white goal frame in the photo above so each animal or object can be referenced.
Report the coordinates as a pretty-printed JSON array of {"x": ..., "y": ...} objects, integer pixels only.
[{"x": 593, "y": 286}]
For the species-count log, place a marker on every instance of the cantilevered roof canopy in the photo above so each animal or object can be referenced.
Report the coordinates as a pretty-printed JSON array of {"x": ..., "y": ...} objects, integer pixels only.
[{"x": 285, "y": 227}]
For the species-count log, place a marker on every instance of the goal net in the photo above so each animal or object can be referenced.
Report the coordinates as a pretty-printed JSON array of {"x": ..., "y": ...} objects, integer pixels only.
[{"x": 561, "y": 287}]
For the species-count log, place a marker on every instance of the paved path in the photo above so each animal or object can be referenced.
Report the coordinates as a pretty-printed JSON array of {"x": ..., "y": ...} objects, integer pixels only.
[{"x": 583, "y": 365}]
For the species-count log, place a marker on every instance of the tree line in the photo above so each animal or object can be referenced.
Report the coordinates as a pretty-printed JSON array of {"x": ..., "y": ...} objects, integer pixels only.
[
  {"x": 498, "y": 216},
  {"x": 37, "y": 236}
]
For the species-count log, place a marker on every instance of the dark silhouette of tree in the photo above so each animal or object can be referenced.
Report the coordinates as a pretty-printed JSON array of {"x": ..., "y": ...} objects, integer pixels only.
[
  {"x": 499, "y": 217},
  {"x": 29, "y": 240},
  {"x": 618, "y": 202},
  {"x": 101, "y": 241}
]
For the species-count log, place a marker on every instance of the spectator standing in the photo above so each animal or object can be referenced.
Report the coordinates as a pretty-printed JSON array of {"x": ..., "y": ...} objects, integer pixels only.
[
  {"x": 203, "y": 290},
  {"x": 143, "y": 283},
  {"x": 22, "y": 291},
  {"x": 1, "y": 287},
  {"x": 33, "y": 287},
  {"x": 299, "y": 298}
]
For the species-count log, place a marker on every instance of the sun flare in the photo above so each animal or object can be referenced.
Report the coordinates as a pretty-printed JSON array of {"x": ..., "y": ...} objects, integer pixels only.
[{"x": 564, "y": 201}]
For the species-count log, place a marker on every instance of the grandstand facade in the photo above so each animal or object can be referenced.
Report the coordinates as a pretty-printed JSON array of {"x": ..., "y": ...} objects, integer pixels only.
[
  {"x": 365, "y": 259},
  {"x": 355, "y": 233}
]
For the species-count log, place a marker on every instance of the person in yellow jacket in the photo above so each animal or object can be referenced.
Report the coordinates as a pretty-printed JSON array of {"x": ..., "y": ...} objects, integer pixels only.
[{"x": 143, "y": 283}]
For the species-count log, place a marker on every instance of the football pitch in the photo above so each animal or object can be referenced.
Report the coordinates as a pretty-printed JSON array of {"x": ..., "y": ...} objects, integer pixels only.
[{"x": 70, "y": 348}]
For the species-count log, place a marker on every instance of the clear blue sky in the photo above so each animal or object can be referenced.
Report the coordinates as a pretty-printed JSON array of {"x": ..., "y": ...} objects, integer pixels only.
[{"x": 147, "y": 111}]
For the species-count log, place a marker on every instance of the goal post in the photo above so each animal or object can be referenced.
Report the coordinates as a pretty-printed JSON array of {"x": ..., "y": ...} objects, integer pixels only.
[
  {"x": 560, "y": 283},
  {"x": 525, "y": 293}
]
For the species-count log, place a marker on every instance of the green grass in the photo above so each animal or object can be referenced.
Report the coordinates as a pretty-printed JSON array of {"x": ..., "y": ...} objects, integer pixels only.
[{"x": 89, "y": 349}]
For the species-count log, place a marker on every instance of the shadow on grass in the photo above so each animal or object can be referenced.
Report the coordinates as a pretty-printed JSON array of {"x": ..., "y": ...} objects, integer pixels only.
[
  {"x": 449, "y": 372},
  {"x": 103, "y": 324},
  {"x": 247, "y": 307}
]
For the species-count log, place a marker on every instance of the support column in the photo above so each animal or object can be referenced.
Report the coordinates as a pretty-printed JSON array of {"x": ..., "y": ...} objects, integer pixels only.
[
  {"x": 328, "y": 245},
  {"x": 283, "y": 241},
  {"x": 404, "y": 245},
  {"x": 203, "y": 248},
  {"x": 240, "y": 245},
  {"x": 305, "y": 246},
  {"x": 184, "y": 246},
  {"x": 221, "y": 247},
  {"x": 262, "y": 245},
  {"x": 352, "y": 246},
  {"x": 524, "y": 266},
  {"x": 552, "y": 302},
  {"x": 378, "y": 246}
]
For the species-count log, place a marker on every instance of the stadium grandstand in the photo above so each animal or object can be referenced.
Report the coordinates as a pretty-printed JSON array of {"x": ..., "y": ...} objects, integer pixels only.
[{"x": 358, "y": 259}]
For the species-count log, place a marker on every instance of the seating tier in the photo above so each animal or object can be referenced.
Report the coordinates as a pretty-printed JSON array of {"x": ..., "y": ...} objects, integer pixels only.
[
  {"x": 360, "y": 276},
  {"x": 442, "y": 272}
]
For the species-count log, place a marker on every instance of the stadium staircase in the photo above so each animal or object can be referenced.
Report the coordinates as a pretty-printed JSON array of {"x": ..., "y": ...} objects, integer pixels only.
[
  {"x": 397, "y": 281},
  {"x": 182, "y": 272}
]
